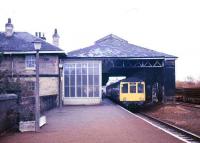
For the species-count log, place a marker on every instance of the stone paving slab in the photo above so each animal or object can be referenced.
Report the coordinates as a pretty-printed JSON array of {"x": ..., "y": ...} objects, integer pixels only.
[{"x": 105, "y": 123}]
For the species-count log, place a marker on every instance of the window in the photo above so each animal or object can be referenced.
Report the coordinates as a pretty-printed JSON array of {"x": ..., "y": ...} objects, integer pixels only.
[
  {"x": 140, "y": 88},
  {"x": 125, "y": 88},
  {"x": 30, "y": 61},
  {"x": 132, "y": 87},
  {"x": 30, "y": 85},
  {"x": 82, "y": 79}
]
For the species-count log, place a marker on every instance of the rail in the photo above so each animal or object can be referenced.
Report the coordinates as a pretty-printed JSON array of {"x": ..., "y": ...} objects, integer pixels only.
[{"x": 184, "y": 135}]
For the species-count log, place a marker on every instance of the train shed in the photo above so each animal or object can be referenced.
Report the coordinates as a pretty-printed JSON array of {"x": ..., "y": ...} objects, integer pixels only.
[{"x": 87, "y": 69}]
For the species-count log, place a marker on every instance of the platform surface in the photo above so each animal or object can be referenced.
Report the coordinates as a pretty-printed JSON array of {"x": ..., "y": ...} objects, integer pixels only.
[{"x": 105, "y": 123}]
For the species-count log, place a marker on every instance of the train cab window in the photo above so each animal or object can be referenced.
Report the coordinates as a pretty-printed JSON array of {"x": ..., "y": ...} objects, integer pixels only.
[
  {"x": 125, "y": 88},
  {"x": 132, "y": 87},
  {"x": 140, "y": 88}
]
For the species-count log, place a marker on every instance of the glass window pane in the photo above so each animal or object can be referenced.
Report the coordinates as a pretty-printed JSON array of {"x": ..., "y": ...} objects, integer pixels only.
[
  {"x": 125, "y": 88},
  {"x": 90, "y": 65},
  {"x": 72, "y": 90},
  {"x": 84, "y": 79},
  {"x": 78, "y": 71},
  {"x": 78, "y": 65},
  {"x": 78, "y": 80},
  {"x": 66, "y": 80},
  {"x": 90, "y": 79},
  {"x": 90, "y": 90},
  {"x": 67, "y": 91},
  {"x": 66, "y": 70},
  {"x": 72, "y": 66},
  {"x": 140, "y": 88},
  {"x": 96, "y": 80},
  {"x": 132, "y": 88},
  {"x": 84, "y": 91},
  {"x": 96, "y": 91},
  {"x": 96, "y": 65},
  {"x": 84, "y": 69},
  {"x": 72, "y": 70},
  {"x": 96, "y": 71},
  {"x": 90, "y": 71},
  {"x": 79, "y": 91},
  {"x": 72, "y": 80}
]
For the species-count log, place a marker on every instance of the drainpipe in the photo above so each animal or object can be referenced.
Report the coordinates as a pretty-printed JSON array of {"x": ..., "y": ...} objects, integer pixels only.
[{"x": 60, "y": 68}]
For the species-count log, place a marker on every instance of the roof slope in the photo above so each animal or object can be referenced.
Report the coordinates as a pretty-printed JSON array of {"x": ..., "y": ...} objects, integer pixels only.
[
  {"x": 22, "y": 42},
  {"x": 114, "y": 46}
]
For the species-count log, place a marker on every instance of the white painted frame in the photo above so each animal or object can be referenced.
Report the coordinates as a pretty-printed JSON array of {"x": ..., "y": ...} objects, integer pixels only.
[{"x": 83, "y": 100}]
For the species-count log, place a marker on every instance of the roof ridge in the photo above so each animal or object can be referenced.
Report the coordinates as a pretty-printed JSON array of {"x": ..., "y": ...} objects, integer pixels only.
[
  {"x": 22, "y": 42},
  {"x": 110, "y": 36}
]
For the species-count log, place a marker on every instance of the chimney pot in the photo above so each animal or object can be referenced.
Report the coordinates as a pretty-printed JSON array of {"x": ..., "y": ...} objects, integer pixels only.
[
  {"x": 36, "y": 34},
  {"x": 43, "y": 37},
  {"x": 56, "y": 38},
  {"x": 39, "y": 34},
  {"x": 8, "y": 28}
]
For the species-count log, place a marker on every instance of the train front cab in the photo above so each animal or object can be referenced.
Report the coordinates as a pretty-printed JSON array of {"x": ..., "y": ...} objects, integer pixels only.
[{"x": 132, "y": 91}]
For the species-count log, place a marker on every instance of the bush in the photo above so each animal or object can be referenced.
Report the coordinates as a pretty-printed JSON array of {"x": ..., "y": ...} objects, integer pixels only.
[{"x": 9, "y": 84}]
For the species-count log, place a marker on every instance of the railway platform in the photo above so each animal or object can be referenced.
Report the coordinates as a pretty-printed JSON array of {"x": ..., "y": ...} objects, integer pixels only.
[{"x": 102, "y": 123}]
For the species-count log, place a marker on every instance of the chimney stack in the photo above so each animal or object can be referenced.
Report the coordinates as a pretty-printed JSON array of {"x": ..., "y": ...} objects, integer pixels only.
[
  {"x": 9, "y": 28},
  {"x": 56, "y": 38},
  {"x": 43, "y": 37},
  {"x": 36, "y": 34}
]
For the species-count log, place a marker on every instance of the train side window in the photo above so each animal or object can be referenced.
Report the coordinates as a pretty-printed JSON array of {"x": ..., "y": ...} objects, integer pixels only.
[
  {"x": 132, "y": 88},
  {"x": 140, "y": 88},
  {"x": 125, "y": 88}
]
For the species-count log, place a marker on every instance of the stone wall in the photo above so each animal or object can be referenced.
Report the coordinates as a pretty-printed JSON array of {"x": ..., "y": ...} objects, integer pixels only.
[
  {"x": 8, "y": 112},
  {"x": 27, "y": 106},
  {"x": 48, "y": 85},
  {"x": 16, "y": 63},
  {"x": 14, "y": 110}
]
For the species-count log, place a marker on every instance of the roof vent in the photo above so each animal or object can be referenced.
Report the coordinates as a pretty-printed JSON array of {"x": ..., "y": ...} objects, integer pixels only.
[{"x": 9, "y": 28}]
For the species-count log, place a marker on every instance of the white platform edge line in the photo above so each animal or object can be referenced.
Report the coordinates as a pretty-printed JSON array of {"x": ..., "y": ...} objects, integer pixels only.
[{"x": 184, "y": 140}]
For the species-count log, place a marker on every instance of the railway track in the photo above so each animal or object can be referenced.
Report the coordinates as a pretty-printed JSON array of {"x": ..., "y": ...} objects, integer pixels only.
[
  {"x": 182, "y": 134},
  {"x": 188, "y": 105},
  {"x": 177, "y": 132}
]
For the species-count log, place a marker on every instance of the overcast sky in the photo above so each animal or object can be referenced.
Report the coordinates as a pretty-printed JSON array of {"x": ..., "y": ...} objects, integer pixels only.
[{"x": 170, "y": 26}]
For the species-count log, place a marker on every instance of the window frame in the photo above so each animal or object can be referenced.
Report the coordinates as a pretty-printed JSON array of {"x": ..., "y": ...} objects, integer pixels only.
[
  {"x": 87, "y": 69},
  {"x": 138, "y": 90},
  {"x": 122, "y": 85},
  {"x": 30, "y": 60},
  {"x": 31, "y": 85}
]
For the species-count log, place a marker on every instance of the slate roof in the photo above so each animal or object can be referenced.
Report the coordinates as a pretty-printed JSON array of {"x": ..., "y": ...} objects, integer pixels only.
[
  {"x": 114, "y": 46},
  {"x": 22, "y": 42}
]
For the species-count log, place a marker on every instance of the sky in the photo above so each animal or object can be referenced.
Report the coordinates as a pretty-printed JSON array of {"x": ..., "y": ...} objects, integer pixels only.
[{"x": 169, "y": 26}]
